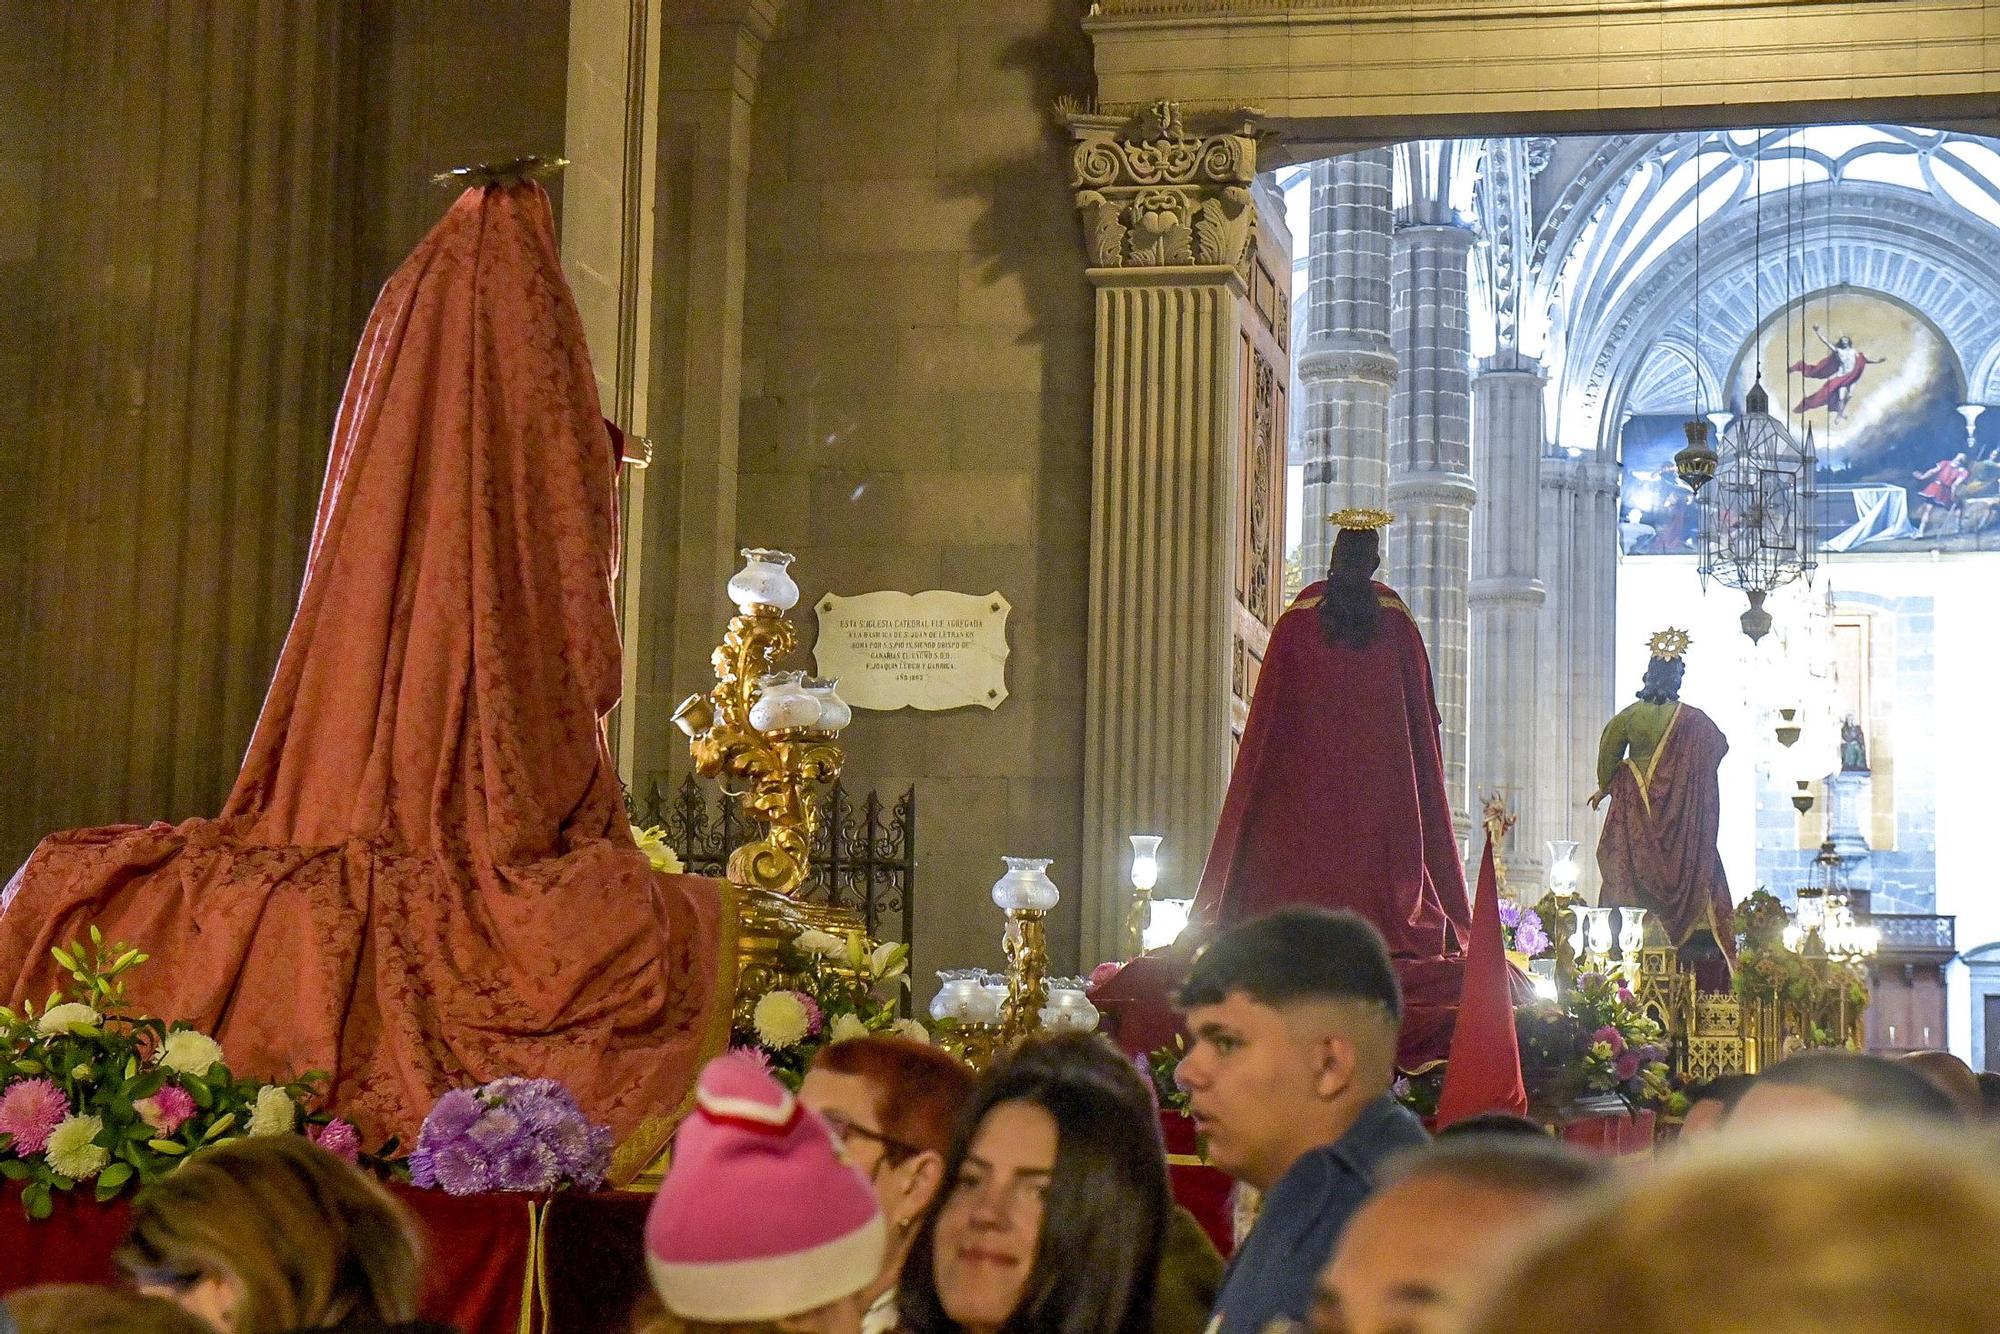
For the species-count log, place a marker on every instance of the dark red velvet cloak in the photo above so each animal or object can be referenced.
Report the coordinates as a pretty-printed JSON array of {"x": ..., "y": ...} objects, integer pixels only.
[
  {"x": 424, "y": 878},
  {"x": 1658, "y": 849},
  {"x": 1337, "y": 800}
]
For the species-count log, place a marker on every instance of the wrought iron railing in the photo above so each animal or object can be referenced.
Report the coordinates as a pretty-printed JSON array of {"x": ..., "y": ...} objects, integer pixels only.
[
  {"x": 864, "y": 858},
  {"x": 1915, "y": 931}
]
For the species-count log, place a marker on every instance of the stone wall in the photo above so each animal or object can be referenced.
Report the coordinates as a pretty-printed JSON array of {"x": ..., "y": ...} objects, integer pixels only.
[{"x": 916, "y": 390}]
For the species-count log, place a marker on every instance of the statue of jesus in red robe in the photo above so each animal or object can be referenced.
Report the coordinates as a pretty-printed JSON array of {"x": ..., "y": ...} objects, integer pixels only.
[
  {"x": 1657, "y": 763},
  {"x": 1337, "y": 800}
]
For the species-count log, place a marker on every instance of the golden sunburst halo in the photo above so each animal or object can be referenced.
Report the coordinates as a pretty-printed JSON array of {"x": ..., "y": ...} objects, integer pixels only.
[
  {"x": 1670, "y": 643},
  {"x": 1361, "y": 520}
]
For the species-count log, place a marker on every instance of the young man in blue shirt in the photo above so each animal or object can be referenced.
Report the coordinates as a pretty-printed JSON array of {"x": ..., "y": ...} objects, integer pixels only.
[{"x": 1292, "y": 1020}]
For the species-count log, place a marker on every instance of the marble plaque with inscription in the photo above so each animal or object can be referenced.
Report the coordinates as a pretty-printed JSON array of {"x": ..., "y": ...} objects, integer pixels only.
[{"x": 931, "y": 650}]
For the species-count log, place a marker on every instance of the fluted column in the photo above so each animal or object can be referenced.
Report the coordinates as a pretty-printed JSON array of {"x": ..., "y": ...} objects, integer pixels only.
[
  {"x": 1579, "y": 564},
  {"x": 1168, "y": 222},
  {"x": 192, "y": 325},
  {"x": 1429, "y": 551},
  {"x": 1346, "y": 368},
  {"x": 1506, "y": 597}
]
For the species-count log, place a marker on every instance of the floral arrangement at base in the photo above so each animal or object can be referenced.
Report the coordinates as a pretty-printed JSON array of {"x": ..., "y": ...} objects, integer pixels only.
[
  {"x": 510, "y": 1134},
  {"x": 823, "y": 990},
  {"x": 1812, "y": 992},
  {"x": 92, "y": 1095},
  {"x": 1594, "y": 1041},
  {"x": 652, "y": 841},
  {"x": 1523, "y": 930}
]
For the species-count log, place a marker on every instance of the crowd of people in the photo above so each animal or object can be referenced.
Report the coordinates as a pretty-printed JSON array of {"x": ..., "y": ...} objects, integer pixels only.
[{"x": 895, "y": 1191}]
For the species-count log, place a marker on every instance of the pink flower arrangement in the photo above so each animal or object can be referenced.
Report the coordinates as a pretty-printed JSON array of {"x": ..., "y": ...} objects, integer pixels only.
[
  {"x": 167, "y": 1110},
  {"x": 1609, "y": 1034},
  {"x": 338, "y": 1138},
  {"x": 30, "y": 1111}
]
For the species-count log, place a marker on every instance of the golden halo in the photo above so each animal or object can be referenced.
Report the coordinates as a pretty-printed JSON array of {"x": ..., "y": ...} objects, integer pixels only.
[
  {"x": 1670, "y": 643},
  {"x": 1361, "y": 520}
]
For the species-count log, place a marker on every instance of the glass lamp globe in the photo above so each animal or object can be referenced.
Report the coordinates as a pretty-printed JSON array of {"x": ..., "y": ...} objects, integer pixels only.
[
  {"x": 1026, "y": 886},
  {"x": 764, "y": 581},
  {"x": 1145, "y": 861},
  {"x": 1170, "y": 918},
  {"x": 1563, "y": 870}
]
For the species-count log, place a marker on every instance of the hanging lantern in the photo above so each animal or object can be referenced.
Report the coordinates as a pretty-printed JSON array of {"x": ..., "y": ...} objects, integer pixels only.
[
  {"x": 1695, "y": 464},
  {"x": 1757, "y": 521}
]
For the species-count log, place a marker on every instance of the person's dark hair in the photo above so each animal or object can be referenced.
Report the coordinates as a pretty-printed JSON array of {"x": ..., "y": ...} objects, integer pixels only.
[
  {"x": 1495, "y": 1125},
  {"x": 1296, "y": 954},
  {"x": 1989, "y": 1094},
  {"x": 1871, "y": 1083},
  {"x": 1663, "y": 680},
  {"x": 1726, "y": 1089},
  {"x": 1105, "y": 1215},
  {"x": 1518, "y": 1164},
  {"x": 1349, "y": 607}
]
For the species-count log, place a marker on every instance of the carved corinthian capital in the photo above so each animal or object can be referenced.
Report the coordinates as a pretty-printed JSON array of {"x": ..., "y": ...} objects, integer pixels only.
[{"x": 1153, "y": 193}]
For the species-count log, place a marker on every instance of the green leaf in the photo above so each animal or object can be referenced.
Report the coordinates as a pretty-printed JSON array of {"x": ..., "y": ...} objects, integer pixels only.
[
  {"x": 28, "y": 1067},
  {"x": 204, "y": 1096},
  {"x": 14, "y": 1169},
  {"x": 36, "y": 1202},
  {"x": 132, "y": 1068}
]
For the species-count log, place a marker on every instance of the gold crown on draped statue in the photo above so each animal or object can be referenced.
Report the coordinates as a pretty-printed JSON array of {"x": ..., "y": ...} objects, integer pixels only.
[
  {"x": 1361, "y": 520},
  {"x": 1670, "y": 643}
]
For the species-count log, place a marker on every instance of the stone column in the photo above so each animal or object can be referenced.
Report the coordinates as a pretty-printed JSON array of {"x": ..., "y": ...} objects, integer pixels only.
[
  {"x": 1429, "y": 552},
  {"x": 1506, "y": 597},
  {"x": 1577, "y": 645},
  {"x": 1345, "y": 368},
  {"x": 1168, "y": 224},
  {"x": 1851, "y": 797}
]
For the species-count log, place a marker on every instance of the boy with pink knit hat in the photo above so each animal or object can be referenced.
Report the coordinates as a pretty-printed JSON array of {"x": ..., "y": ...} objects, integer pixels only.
[{"x": 759, "y": 1219}]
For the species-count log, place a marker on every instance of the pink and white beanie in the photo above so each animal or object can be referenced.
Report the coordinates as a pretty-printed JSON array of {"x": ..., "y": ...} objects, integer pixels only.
[{"x": 759, "y": 1218}]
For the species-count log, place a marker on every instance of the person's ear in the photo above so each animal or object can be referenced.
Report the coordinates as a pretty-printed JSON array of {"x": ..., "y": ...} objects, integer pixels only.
[
  {"x": 917, "y": 1180},
  {"x": 1339, "y": 1058}
]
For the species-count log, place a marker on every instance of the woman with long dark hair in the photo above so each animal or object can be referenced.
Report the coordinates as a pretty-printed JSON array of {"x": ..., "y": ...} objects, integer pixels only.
[{"x": 1054, "y": 1204}]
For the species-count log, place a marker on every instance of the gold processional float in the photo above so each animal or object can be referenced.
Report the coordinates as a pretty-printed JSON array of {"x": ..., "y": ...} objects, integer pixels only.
[{"x": 770, "y": 737}]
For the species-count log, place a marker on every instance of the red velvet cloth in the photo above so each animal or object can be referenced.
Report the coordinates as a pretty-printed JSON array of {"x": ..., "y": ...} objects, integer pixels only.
[
  {"x": 424, "y": 878},
  {"x": 1658, "y": 849},
  {"x": 1483, "y": 1073},
  {"x": 1337, "y": 800}
]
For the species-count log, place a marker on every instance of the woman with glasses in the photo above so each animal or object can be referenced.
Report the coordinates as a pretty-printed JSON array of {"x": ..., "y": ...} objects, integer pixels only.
[
  {"x": 1054, "y": 1206},
  {"x": 892, "y": 1105}
]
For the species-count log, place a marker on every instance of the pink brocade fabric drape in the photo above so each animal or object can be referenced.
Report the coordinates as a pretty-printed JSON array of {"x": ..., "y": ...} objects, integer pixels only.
[{"x": 424, "y": 877}]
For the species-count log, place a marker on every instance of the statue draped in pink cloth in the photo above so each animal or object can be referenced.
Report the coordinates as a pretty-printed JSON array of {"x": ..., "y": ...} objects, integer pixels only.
[{"x": 423, "y": 878}]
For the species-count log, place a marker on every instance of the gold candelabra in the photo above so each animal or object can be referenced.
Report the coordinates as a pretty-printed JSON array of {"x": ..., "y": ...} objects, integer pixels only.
[{"x": 765, "y": 729}]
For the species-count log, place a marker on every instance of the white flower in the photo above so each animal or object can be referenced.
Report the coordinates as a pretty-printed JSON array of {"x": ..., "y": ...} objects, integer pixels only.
[
  {"x": 273, "y": 1113},
  {"x": 820, "y": 942},
  {"x": 69, "y": 1017},
  {"x": 889, "y": 959},
  {"x": 780, "y": 1020},
  {"x": 71, "y": 1149},
  {"x": 190, "y": 1053},
  {"x": 653, "y": 843},
  {"x": 911, "y": 1029},
  {"x": 845, "y": 1027}
]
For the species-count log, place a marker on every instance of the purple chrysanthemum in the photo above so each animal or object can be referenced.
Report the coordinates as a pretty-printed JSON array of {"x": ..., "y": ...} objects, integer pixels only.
[
  {"x": 462, "y": 1169},
  {"x": 453, "y": 1116},
  {"x": 526, "y": 1164},
  {"x": 423, "y": 1171},
  {"x": 495, "y": 1130},
  {"x": 815, "y": 1019},
  {"x": 1529, "y": 937}
]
